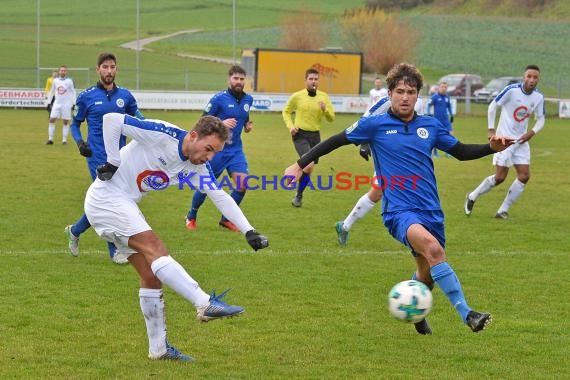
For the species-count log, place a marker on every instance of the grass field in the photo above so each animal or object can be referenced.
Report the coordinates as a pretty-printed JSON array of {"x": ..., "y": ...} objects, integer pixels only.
[{"x": 314, "y": 310}]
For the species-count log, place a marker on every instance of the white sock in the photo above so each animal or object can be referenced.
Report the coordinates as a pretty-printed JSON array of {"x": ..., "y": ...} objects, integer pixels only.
[
  {"x": 51, "y": 131},
  {"x": 361, "y": 208},
  {"x": 65, "y": 133},
  {"x": 171, "y": 273},
  {"x": 152, "y": 307},
  {"x": 485, "y": 186},
  {"x": 515, "y": 191}
]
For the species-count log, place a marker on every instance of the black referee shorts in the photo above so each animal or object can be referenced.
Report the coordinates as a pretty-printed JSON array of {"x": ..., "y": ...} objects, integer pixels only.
[{"x": 305, "y": 140}]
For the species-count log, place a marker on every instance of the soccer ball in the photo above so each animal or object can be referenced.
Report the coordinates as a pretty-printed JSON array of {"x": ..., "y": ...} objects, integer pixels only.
[{"x": 410, "y": 301}]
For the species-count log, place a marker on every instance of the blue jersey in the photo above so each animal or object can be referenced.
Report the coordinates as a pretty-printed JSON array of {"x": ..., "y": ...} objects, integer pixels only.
[
  {"x": 225, "y": 105},
  {"x": 402, "y": 158},
  {"x": 441, "y": 105},
  {"x": 90, "y": 106}
]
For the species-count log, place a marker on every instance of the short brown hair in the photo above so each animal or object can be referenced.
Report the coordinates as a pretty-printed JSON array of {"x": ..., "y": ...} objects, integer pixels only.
[
  {"x": 210, "y": 125},
  {"x": 236, "y": 69},
  {"x": 311, "y": 70},
  {"x": 105, "y": 57},
  {"x": 407, "y": 73}
]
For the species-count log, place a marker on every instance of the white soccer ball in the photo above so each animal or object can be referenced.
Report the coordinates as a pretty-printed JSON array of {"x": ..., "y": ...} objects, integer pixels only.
[{"x": 410, "y": 301}]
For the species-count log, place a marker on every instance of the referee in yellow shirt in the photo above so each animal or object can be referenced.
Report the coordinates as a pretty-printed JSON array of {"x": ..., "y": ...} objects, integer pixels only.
[{"x": 309, "y": 106}]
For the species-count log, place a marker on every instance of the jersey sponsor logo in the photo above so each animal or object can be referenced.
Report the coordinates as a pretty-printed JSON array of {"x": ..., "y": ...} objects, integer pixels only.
[
  {"x": 391, "y": 132},
  {"x": 422, "y": 133},
  {"x": 98, "y": 103},
  {"x": 149, "y": 180},
  {"x": 120, "y": 103},
  {"x": 521, "y": 113},
  {"x": 162, "y": 161}
]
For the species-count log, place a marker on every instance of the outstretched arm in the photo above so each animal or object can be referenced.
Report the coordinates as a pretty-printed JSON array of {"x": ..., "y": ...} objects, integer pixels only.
[
  {"x": 464, "y": 152},
  {"x": 324, "y": 147}
]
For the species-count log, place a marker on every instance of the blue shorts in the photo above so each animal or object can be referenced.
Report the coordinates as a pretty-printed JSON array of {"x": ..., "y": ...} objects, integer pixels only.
[
  {"x": 232, "y": 161},
  {"x": 398, "y": 223}
]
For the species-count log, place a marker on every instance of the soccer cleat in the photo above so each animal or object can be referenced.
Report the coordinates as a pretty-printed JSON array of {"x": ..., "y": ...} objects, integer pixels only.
[
  {"x": 468, "y": 205},
  {"x": 119, "y": 258},
  {"x": 172, "y": 353},
  {"x": 341, "y": 233},
  {"x": 477, "y": 321},
  {"x": 64, "y": 142},
  {"x": 422, "y": 327},
  {"x": 217, "y": 308},
  {"x": 229, "y": 225},
  {"x": 502, "y": 215},
  {"x": 72, "y": 241},
  {"x": 49, "y": 142},
  {"x": 191, "y": 224},
  {"x": 297, "y": 201}
]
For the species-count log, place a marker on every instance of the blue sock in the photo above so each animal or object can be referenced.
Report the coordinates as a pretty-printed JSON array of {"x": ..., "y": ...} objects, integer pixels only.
[
  {"x": 197, "y": 201},
  {"x": 80, "y": 226},
  {"x": 448, "y": 282},
  {"x": 112, "y": 249},
  {"x": 238, "y": 197}
]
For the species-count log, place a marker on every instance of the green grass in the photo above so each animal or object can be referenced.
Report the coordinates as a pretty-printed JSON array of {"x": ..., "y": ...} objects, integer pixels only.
[
  {"x": 74, "y": 34},
  {"x": 313, "y": 310}
]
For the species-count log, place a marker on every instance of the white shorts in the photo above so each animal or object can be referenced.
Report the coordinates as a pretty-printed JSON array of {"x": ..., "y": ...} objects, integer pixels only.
[
  {"x": 516, "y": 154},
  {"x": 114, "y": 216},
  {"x": 60, "y": 111}
]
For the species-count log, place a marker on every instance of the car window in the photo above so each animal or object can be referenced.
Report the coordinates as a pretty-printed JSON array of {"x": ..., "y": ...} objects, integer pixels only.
[{"x": 452, "y": 80}]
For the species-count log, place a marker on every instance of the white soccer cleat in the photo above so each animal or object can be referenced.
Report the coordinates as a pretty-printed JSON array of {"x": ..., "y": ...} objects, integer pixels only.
[{"x": 73, "y": 241}]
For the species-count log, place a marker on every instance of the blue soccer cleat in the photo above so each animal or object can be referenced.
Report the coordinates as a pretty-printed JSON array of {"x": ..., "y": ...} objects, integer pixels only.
[
  {"x": 217, "y": 308},
  {"x": 172, "y": 353}
]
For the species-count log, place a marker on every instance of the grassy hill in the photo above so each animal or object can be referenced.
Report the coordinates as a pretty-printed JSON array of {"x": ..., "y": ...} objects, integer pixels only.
[{"x": 453, "y": 39}]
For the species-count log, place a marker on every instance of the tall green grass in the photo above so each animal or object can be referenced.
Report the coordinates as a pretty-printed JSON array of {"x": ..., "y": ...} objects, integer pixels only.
[{"x": 314, "y": 310}]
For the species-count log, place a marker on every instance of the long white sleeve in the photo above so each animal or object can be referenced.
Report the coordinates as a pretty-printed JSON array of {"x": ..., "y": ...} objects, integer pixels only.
[
  {"x": 112, "y": 130},
  {"x": 491, "y": 114}
]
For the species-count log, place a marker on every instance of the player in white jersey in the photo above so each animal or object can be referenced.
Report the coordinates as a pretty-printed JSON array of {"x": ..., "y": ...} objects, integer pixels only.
[
  {"x": 161, "y": 155},
  {"x": 377, "y": 93},
  {"x": 63, "y": 90},
  {"x": 518, "y": 102},
  {"x": 366, "y": 202}
]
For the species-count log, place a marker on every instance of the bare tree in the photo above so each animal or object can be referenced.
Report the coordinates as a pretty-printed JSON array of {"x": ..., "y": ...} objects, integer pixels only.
[{"x": 303, "y": 31}]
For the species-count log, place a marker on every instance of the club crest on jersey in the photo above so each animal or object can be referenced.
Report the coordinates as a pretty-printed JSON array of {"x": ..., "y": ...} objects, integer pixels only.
[
  {"x": 246, "y": 107},
  {"x": 422, "y": 133},
  {"x": 208, "y": 108},
  {"x": 521, "y": 113},
  {"x": 120, "y": 103}
]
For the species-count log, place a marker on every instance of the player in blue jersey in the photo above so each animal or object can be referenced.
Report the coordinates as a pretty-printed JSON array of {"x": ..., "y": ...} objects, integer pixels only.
[
  {"x": 439, "y": 106},
  {"x": 366, "y": 202},
  {"x": 401, "y": 143},
  {"x": 232, "y": 106},
  {"x": 103, "y": 98}
]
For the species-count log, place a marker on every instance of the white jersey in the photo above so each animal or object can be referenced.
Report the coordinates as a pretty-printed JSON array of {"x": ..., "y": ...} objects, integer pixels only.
[
  {"x": 154, "y": 161},
  {"x": 516, "y": 109},
  {"x": 64, "y": 92},
  {"x": 376, "y": 95}
]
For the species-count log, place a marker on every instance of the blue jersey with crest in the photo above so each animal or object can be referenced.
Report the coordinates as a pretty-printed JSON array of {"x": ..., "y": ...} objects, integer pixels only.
[
  {"x": 402, "y": 157},
  {"x": 225, "y": 105},
  {"x": 90, "y": 106}
]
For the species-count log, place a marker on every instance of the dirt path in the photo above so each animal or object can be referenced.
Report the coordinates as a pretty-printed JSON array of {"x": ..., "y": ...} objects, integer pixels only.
[{"x": 133, "y": 45}]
